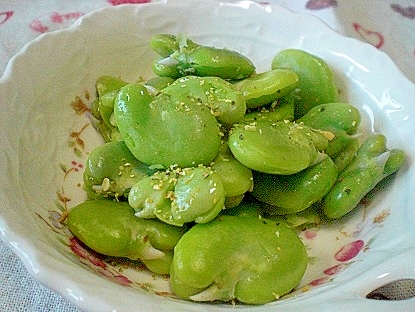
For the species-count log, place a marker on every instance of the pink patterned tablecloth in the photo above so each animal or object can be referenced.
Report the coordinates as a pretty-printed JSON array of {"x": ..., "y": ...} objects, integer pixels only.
[{"x": 389, "y": 25}]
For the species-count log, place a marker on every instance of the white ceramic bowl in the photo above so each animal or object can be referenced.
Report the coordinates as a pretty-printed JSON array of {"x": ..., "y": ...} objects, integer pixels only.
[{"x": 45, "y": 141}]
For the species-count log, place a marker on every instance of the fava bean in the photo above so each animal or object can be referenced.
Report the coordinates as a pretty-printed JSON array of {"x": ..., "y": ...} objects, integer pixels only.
[
  {"x": 293, "y": 193},
  {"x": 342, "y": 120},
  {"x": 110, "y": 228},
  {"x": 158, "y": 83},
  {"x": 224, "y": 101},
  {"x": 316, "y": 81},
  {"x": 276, "y": 148},
  {"x": 372, "y": 163},
  {"x": 238, "y": 257},
  {"x": 111, "y": 170},
  {"x": 267, "y": 87},
  {"x": 162, "y": 131},
  {"x": 235, "y": 177},
  {"x": 183, "y": 57},
  {"x": 179, "y": 196},
  {"x": 333, "y": 117}
]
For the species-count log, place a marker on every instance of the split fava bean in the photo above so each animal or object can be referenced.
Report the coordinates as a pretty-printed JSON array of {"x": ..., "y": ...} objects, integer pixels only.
[
  {"x": 110, "y": 228},
  {"x": 179, "y": 196}
]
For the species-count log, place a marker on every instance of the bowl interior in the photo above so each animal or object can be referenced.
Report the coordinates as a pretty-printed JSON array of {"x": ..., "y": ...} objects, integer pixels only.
[{"x": 47, "y": 135}]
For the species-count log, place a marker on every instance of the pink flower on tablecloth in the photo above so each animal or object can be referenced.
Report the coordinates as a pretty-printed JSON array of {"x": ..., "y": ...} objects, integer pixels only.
[
  {"x": 53, "y": 21},
  {"x": 320, "y": 4},
  {"x": 5, "y": 16},
  {"x": 408, "y": 12},
  {"x": 118, "y": 2},
  {"x": 374, "y": 38},
  {"x": 349, "y": 251}
]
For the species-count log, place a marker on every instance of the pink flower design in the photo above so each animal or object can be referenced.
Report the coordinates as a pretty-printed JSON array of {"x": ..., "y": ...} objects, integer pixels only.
[
  {"x": 97, "y": 262},
  {"x": 408, "y": 12},
  {"x": 373, "y": 37},
  {"x": 78, "y": 248},
  {"x": 118, "y": 2},
  {"x": 120, "y": 279},
  {"x": 54, "y": 20},
  {"x": 320, "y": 4},
  {"x": 4, "y": 16},
  {"x": 310, "y": 234},
  {"x": 58, "y": 18},
  {"x": 320, "y": 281},
  {"x": 76, "y": 166},
  {"x": 349, "y": 251},
  {"x": 335, "y": 269}
]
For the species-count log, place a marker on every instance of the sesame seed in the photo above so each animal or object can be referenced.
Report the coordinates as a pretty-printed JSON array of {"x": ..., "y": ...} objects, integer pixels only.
[{"x": 106, "y": 184}]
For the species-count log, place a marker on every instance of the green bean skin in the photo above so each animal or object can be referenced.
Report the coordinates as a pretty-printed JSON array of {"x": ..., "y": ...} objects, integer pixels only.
[
  {"x": 224, "y": 101},
  {"x": 316, "y": 85},
  {"x": 282, "y": 110},
  {"x": 333, "y": 117},
  {"x": 164, "y": 44},
  {"x": 179, "y": 196},
  {"x": 293, "y": 193},
  {"x": 372, "y": 163},
  {"x": 236, "y": 178},
  {"x": 238, "y": 257},
  {"x": 110, "y": 228},
  {"x": 106, "y": 83},
  {"x": 267, "y": 87},
  {"x": 342, "y": 120},
  {"x": 111, "y": 170},
  {"x": 163, "y": 130},
  {"x": 183, "y": 57},
  {"x": 227, "y": 64},
  {"x": 275, "y": 148}
]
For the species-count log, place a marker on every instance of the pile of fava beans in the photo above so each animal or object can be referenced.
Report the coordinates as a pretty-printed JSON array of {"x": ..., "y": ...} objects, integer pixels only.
[{"x": 203, "y": 165}]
